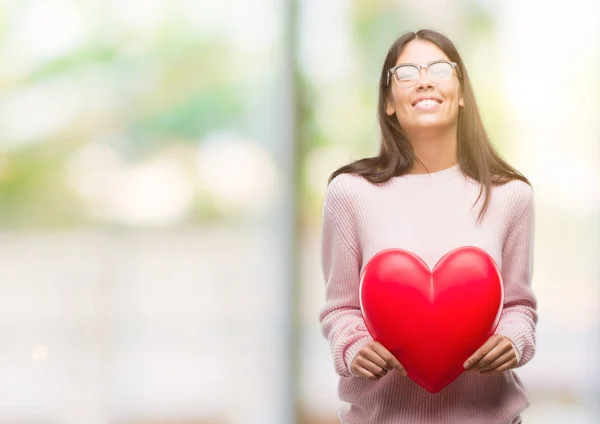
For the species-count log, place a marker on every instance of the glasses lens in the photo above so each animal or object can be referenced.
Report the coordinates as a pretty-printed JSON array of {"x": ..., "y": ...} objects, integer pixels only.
[
  {"x": 440, "y": 71},
  {"x": 407, "y": 74}
]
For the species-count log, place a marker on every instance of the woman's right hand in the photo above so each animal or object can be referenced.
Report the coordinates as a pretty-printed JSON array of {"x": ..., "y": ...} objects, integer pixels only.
[{"x": 374, "y": 361}]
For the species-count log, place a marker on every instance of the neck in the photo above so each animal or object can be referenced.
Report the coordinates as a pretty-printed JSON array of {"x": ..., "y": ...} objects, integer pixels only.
[{"x": 436, "y": 151}]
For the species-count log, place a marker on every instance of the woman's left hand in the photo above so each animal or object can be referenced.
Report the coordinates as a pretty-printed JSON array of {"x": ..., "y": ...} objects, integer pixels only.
[{"x": 496, "y": 355}]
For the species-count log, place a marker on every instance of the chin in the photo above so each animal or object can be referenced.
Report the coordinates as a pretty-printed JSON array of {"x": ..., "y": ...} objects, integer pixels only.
[{"x": 429, "y": 124}]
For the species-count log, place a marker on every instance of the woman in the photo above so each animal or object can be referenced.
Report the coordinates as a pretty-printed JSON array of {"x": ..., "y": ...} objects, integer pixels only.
[{"x": 436, "y": 184}]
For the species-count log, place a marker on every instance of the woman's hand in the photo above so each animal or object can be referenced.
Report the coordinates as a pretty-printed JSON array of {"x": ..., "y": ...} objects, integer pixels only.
[
  {"x": 496, "y": 355},
  {"x": 374, "y": 361}
]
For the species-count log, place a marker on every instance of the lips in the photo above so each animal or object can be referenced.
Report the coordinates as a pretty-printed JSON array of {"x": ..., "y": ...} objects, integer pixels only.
[{"x": 428, "y": 98}]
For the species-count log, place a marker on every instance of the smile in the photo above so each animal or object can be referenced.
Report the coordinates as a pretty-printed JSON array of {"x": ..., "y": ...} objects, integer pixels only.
[{"x": 427, "y": 104}]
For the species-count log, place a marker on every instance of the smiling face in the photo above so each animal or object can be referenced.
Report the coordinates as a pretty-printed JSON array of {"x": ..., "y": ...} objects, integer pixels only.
[{"x": 425, "y": 105}]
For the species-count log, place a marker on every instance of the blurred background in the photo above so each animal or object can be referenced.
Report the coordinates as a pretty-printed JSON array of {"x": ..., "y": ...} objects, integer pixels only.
[{"x": 162, "y": 168}]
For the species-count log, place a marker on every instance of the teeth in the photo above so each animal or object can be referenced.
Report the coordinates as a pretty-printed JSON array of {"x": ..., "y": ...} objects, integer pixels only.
[{"x": 427, "y": 103}]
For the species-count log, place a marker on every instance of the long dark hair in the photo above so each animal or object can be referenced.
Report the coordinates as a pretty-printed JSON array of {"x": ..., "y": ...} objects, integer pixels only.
[{"x": 477, "y": 157}]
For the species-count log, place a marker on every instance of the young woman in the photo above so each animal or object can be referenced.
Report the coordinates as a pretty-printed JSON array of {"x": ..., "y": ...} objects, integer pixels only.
[{"x": 436, "y": 184}]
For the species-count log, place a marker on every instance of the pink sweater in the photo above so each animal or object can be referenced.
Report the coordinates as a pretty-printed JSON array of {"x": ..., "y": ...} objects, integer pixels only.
[{"x": 428, "y": 214}]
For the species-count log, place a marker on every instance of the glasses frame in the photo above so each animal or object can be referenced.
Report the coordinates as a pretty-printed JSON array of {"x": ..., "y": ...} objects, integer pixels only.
[{"x": 426, "y": 66}]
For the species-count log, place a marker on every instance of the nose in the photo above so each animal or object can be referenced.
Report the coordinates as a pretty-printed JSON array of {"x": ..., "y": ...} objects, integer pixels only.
[{"x": 423, "y": 83}]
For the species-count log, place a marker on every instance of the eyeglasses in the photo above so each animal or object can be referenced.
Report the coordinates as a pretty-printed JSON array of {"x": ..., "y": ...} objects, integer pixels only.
[{"x": 407, "y": 74}]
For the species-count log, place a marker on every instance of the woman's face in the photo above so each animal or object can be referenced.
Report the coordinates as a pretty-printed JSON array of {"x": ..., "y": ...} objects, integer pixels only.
[{"x": 403, "y": 101}]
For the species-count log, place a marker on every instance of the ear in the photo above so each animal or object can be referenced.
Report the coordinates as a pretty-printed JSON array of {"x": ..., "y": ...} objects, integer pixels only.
[
  {"x": 390, "y": 108},
  {"x": 461, "y": 102}
]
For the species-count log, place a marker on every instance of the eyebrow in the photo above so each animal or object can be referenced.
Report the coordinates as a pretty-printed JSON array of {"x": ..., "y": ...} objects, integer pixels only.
[{"x": 428, "y": 63}]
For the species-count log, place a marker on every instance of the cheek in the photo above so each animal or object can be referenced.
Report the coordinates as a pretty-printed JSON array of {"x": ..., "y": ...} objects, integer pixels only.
[
  {"x": 390, "y": 105},
  {"x": 402, "y": 102},
  {"x": 451, "y": 92},
  {"x": 396, "y": 103}
]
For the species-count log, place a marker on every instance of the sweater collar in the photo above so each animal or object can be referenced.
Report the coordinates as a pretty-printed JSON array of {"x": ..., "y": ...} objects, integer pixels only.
[{"x": 443, "y": 174}]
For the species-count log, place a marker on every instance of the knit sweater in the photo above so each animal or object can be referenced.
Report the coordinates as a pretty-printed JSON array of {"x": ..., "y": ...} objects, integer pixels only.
[{"x": 427, "y": 214}]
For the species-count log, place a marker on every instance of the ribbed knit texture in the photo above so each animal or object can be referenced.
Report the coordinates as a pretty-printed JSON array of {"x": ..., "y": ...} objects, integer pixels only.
[{"x": 428, "y": 214}]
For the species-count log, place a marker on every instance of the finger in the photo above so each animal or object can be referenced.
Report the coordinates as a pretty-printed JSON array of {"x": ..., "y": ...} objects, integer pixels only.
[
  {"x": 491, "y": 356},
  {"x": 371, "y": 367},
  {"x": 361, "y": 372},
  {"x": 388, "y": 357},
  {"x": 481, "y": 352},
  {"x": 374, "y": 356},
  {"x": 498, "y": 361},
  {"x": 506, "y": 365}
]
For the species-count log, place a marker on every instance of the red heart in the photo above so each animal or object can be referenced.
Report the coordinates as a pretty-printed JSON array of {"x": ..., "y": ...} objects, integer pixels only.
[{"x": 432, "y": 321}]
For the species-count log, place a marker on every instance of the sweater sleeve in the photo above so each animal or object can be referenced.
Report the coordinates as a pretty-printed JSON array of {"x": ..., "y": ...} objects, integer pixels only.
[
  {"x": 341, "y": 316},
  {"x": 519, "y": 316}
]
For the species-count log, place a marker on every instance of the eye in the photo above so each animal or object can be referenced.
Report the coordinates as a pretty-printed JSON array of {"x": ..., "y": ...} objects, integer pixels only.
[
  {"x": 407, "y": 73},
  {"x": 441, "y": 71}
]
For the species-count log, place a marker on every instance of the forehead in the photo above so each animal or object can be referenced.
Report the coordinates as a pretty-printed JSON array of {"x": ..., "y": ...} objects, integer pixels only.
[{"x": 420, "y": 52}]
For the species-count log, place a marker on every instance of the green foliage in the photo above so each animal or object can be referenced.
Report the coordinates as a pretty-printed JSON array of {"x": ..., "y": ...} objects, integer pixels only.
[
  {"x": 33, "y": 191},
  {"x": 218, "y": 106},
  {"x": 84, "y": 58}
]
